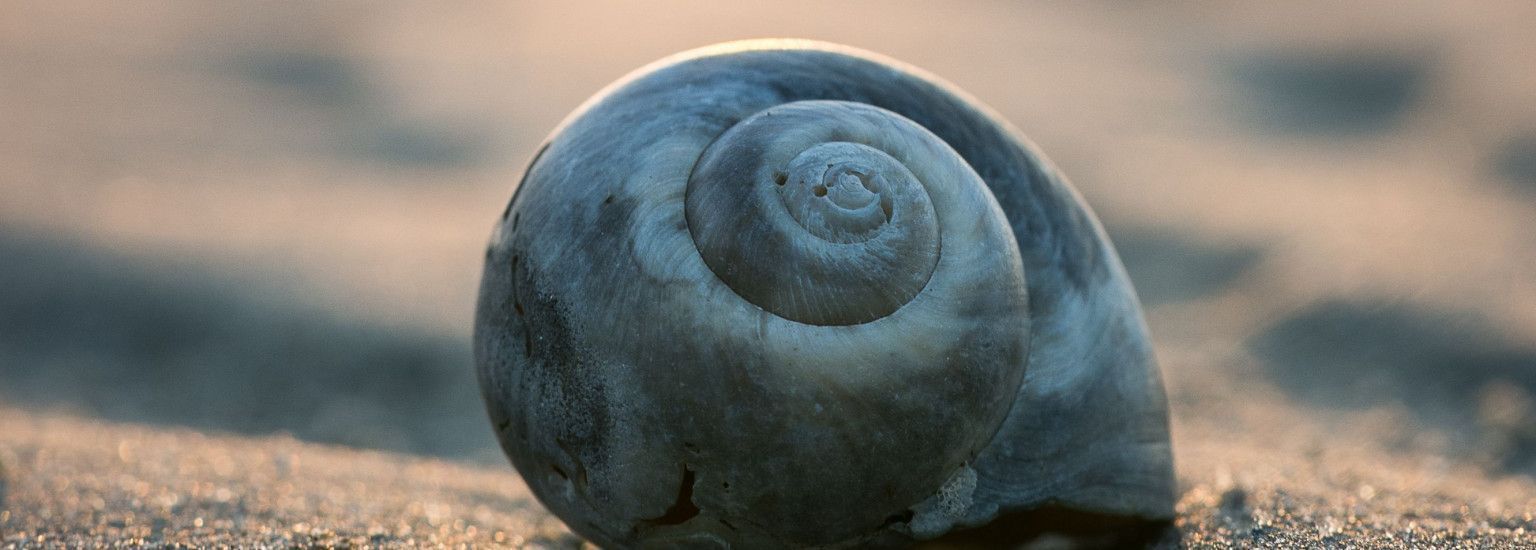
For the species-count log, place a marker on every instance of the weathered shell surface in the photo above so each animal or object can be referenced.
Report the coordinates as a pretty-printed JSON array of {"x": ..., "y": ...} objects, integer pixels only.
[{"x": 785, "y": 293}]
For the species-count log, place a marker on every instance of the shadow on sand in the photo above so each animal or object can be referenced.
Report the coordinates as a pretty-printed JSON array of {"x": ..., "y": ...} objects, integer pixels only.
[
  {"x": 122, "y": 339},
  {"x": 1337, "y": 94},
  {"x": 1516, "y": 162},
  {"x": 372, "y": 130},
  {"x": 1449, "y": 369},
  {"x": 1166, "y": 267}
]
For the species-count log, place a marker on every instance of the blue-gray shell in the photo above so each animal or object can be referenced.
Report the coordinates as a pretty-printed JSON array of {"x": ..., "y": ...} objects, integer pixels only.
[{"x": 645, "y": 405}]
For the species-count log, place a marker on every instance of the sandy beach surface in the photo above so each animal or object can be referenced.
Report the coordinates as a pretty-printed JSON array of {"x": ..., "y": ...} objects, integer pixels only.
[
  {"x": 77, "y": 483},
  {"x": 240, "y": 244}
]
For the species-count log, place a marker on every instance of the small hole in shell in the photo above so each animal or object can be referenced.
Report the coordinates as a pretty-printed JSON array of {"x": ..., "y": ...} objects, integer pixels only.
[
  {"x": 820, "y": 190},
  {"x": 780, "y": 178}
]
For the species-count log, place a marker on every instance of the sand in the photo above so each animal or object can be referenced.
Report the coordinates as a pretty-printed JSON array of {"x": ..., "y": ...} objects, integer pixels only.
[
  {"x": 70, "y": 482},
  {"x": 75, "y": 484}
]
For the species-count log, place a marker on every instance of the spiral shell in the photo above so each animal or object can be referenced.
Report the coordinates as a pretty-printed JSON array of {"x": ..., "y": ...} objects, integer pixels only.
[{"x": 789, "y": 294}]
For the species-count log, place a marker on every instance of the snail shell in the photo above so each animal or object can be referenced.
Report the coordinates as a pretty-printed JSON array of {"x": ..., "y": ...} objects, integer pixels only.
[{"x": 786, "y": 293}]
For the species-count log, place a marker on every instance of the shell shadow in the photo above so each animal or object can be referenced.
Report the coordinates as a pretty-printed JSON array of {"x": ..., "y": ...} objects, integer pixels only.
[
  {"x": 117, "y": 338},
  {"x": 1448, "y": 368},
  {"x": 1167, "y": 267},
  {"x": 1057, "y": 527},
  {"x": 1334, "y": 93}
]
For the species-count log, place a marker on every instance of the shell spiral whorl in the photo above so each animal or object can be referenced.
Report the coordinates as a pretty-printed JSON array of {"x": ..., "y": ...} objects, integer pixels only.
[{"x": 812, "y": 210}]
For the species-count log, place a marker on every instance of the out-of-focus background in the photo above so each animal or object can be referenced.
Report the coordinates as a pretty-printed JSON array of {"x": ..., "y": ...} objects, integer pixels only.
[{"x": 259, "y": 218}]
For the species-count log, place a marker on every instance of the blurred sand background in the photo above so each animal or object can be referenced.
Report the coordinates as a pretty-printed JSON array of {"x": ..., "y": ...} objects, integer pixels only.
[{"x": 238, "y": 238}]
